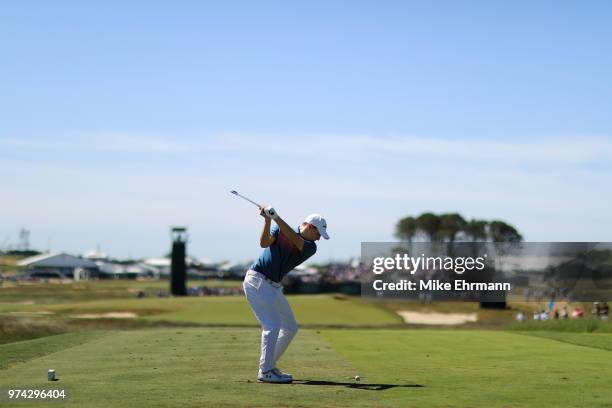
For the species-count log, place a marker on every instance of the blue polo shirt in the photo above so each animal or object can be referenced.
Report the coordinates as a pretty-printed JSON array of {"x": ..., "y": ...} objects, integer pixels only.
[{"x": 282, "y": 256}]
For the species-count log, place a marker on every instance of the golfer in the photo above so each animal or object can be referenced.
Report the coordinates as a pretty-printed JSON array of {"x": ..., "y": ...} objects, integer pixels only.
[{"x": 285, "y": 248}]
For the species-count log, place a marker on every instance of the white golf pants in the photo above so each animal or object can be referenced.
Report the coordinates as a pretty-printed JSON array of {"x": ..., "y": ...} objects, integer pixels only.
[{"x": 275, "y": 316}]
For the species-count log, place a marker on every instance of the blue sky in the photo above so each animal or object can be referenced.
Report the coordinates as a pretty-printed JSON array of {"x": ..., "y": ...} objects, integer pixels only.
[{"x": 121, "y": 119}]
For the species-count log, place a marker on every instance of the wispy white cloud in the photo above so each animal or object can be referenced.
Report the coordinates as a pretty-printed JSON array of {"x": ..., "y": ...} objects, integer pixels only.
[
  {"x": 558, "y": 149},
  {"x": 363, "y": 184},
  {"x": 100, "y": 142},
  {"x": 562, "y": 149}
]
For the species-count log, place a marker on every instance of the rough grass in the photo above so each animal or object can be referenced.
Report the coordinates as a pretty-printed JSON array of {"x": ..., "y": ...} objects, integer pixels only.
[
  {"x": 22, "y": 352},
  {"x": 8, "y": 266},
  {"x": 60, "y": 292},
  {"x": 585, "y": 325},
  {"x": 16, "y": 329}
]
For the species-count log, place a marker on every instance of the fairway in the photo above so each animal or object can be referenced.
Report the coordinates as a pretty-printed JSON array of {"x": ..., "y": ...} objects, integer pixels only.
[
  {"x": 195, "y": 367},
  {"x": 310, "y": 310}
]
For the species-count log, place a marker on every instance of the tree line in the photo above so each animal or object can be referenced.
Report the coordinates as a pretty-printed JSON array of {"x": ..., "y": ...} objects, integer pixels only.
[{"x": 451, "y": 227}]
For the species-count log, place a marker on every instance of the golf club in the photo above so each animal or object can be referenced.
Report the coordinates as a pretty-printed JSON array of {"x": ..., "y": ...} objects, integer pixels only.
[
  {"x": 270, "y": 212},
  {"x": 241, "y": 196}
]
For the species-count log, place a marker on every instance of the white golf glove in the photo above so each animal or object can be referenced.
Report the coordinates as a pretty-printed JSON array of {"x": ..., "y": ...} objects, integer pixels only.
[{"x": 271, "y": 212}]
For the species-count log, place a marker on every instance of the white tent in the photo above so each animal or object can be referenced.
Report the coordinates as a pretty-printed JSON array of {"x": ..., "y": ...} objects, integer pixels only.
[{"x": 60, "y": 264}]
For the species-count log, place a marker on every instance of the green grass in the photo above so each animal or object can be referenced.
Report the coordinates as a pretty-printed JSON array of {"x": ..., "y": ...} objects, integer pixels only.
[
  {"x": 22, "y": 328},
  {"x": 477, "y": 368},
  {"x": 310, "y": 310},
  {"x": 21, "y": 321},
  {"x": 596, "y": 340},
  {"x": 586, "y": 325},
  {"x": 23, "y": 351},
  {"x": 56, "y": 292},
  {"x": 195, "y": 367},
  {"x": 133, "y": 362},
  {"x": 8, "y": 265}
]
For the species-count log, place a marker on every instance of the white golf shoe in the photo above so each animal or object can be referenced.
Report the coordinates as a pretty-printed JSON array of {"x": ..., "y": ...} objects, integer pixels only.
[
  {"x": 272, "y": 377},
  {"x": 278, "y": 371}
]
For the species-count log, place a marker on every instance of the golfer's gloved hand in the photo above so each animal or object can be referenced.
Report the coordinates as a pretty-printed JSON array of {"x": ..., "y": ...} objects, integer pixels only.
[{"x": 270, "y": 212}]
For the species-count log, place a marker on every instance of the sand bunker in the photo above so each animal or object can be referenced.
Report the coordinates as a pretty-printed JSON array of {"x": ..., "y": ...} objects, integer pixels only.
[
  {"x": 111, "y": 315},
  {"x": 437, "y": 318}
]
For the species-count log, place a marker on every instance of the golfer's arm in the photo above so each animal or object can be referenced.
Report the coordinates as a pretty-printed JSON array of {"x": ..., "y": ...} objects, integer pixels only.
[
  {"x": 266, "y": 239},
  {"x": 290, "y": 233}
]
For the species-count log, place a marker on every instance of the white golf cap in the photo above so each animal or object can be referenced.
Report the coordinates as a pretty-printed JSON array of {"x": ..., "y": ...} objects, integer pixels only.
[{"x": 319, "y": 222}]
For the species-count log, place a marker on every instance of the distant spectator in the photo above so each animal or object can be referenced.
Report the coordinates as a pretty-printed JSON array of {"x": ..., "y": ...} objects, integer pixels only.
[
  {"x": 595, "y": 309},
  {"x": 604, "y": 311},
  {"x": 520, "y": 317},
  {"x": 564, "y": 313},
  {"x": 556, "y": 315},
  {"x": 578, "y": 313}
]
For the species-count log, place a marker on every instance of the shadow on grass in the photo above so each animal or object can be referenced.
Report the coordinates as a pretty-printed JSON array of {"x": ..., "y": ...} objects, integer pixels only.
[{"x": 356, "y": 385}]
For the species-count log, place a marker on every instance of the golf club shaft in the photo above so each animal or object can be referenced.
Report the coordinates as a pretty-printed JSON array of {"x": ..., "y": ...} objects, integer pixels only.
[{"x": 248, "y": 199}]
